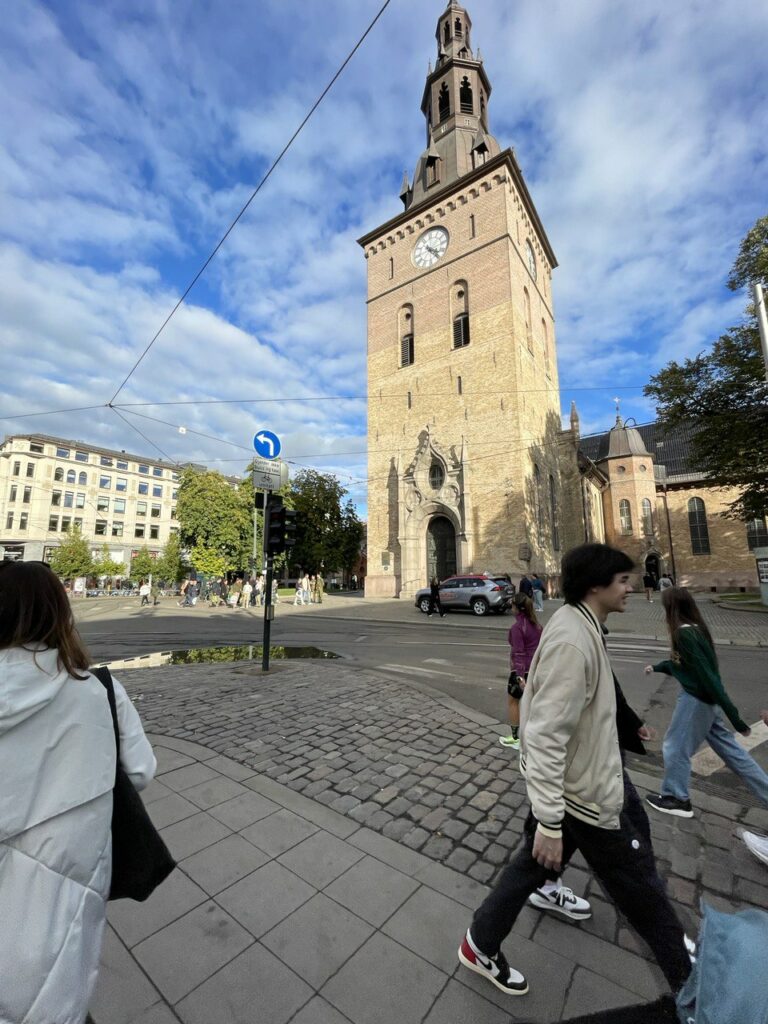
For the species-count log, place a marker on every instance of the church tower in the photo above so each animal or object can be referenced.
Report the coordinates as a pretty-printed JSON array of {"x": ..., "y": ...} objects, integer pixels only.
[{"x": 463, "y": 399}]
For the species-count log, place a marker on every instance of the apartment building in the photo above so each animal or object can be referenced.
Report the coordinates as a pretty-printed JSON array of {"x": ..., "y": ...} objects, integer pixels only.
[{"x": 50, "y": 484}]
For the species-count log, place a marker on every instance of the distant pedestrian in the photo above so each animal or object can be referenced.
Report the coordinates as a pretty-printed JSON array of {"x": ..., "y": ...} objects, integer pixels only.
[
  {"x": 523, "y": 637},
  {"x": 312, "y": 590},
  {"x": 538, "y": 588},
  {"x": 235, "y": 592},
  {"x": 214, "y": 593},
  {"x": 298, "y": 597},
  {"x": 434, "y": 597},
  {"x": 666, "y": 581},
  {"x": 649, "y": 583},
  {"x": 526, "y": 586},
  {"x": 274, "y": 591},
  {"x": 305, "y": 588},
  {"x": 154, "y": 591},
  {"x": 245, "y": 598},
  {"x": 259, "y": 590},
  {"x": 144, "y": 591},
  {"x": 354, "y": 581},
  {"x": 698, "y": 714},
  {"x": 319, "y": 589}
]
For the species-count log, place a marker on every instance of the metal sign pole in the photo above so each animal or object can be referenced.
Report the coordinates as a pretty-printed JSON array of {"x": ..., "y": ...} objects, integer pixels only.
[{"x": 268, "y": 615}]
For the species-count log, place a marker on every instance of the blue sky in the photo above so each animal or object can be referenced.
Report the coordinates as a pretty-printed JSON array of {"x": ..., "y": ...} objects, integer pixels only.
[{"x": 135, "y": 131}]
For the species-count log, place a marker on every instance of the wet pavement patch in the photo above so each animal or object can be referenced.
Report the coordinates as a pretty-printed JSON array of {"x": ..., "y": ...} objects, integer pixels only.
[{"x": 210, "y": 655}]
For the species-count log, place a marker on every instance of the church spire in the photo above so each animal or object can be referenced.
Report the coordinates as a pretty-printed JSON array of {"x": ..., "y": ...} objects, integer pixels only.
[{"x": 455, "y": 106}]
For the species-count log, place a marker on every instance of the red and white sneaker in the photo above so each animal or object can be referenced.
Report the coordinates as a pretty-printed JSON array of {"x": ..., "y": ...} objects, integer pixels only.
[{"x": 494, "y": 968}]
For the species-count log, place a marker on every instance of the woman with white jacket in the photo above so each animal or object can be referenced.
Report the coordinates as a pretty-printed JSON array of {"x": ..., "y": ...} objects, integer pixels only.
[{"x": 57, "y": 766}]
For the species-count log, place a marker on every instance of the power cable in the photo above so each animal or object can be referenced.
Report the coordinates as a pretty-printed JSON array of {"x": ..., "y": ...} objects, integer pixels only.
[
  {"x": 147, "y": 439},
  {"x": 253, "y": 195}
]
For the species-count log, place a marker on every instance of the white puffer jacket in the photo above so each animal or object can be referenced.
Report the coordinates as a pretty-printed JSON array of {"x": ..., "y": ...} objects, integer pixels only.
[{"x": 57, "y": 770}]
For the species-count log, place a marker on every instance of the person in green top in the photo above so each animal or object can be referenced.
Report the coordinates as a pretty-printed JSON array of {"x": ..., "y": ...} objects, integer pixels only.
[{"x": 700, "y": 708}]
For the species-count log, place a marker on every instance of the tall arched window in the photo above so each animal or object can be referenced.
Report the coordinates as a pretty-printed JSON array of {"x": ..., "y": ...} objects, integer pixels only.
[
  {"x": 538, "y": 507},
  {"x": 527, "y": 308},
  {"x": 554, "y": 514},
  {"x": 757, "y": 534},
  {"x": 82, "y": 478},
  {"x": 547, "y": 360},
  {"x": 58, "y": 473},
  {"x": 646, "y": 514},
  {"x": 625, "y": 516},
  {"x": 447, "y": 32},
  {"x": 697, "y": 524},
  {"x": 444, "y": 103},
  {"x": 70, "y": 476},
  {"x": 458, "y": 29},
  {"x": 460, "y": 314},
  {"x": 405, "y": 334},
  {"x": 465, "y": 97}
]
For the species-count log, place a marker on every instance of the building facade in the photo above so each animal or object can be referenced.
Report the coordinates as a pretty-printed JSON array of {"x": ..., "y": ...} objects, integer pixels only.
[
  {"x": 463, "y": 399},
  {"x": 49, "y": 484}
]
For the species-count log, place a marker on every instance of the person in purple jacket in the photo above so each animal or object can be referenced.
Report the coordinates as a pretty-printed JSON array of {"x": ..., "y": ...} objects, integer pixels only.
[{"x": 523, "y": 638}]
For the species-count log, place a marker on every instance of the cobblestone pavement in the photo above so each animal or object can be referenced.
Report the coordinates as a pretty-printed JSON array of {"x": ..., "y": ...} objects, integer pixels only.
[{"x": 426, "y": 772}]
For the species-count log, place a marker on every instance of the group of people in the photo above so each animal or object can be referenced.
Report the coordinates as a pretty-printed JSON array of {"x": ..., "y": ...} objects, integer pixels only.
[
  {"x": 532, "y": 586},
  {"x": 573, "y": 726},
  {"x": 240, "y": 593},
  {"x": 309, "y": 589},
  {"x": 650, "y": 584}
]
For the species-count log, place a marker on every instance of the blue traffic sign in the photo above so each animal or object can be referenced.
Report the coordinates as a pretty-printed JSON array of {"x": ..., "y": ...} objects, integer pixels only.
[{"x": 267, "y": 444}]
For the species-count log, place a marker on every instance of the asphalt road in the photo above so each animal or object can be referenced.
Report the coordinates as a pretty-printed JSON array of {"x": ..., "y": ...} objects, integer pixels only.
[{"x": 459, "y": 656}]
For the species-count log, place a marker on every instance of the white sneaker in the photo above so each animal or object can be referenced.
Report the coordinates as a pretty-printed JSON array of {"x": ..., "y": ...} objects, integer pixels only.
[
  {"x": 757, "y": 845},
  {"x": 563, "y": 901}
]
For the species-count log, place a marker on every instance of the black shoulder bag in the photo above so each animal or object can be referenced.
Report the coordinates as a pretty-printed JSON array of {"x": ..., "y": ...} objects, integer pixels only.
[{"x": 140, "y": 858}]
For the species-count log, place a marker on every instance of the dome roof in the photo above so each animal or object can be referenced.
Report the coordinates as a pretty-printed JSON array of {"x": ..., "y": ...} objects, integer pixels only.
[{"x": 624, "y": 440}]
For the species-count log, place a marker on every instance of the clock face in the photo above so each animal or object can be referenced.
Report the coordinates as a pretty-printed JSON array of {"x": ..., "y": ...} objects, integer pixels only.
[
  {"x": 430, "y": 247},
  {"x": 531, "y": 259}
]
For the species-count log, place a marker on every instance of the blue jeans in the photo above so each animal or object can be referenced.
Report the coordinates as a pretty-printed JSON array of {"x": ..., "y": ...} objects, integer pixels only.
[{"x": 692, "y": 723}]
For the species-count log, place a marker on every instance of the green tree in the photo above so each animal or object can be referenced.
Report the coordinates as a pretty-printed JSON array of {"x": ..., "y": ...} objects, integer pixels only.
[
  {"x": 73, "y": 556},
  {"x": 209, "y": 561},
  {"x": 142, "y": 564},
  {"x": 105, "y": 565},
  {"x": 722, "y": 396},
  {"x": 328, "y": 533},
  {"x": 216, "y": 519},
  {"x": 170, "y": 565}
]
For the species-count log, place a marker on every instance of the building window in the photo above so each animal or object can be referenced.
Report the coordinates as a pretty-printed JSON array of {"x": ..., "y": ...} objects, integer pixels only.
[
  {"x": 139, "y": 530},
  {"x": 444, "y": 103},
  {"x": 554, "y": 514},
  {"x": 69, "y": 499},
  {"x": 81, "y": 456},
  {"x": 465, "y": 97},
  {"x": 460, "y": 314},
  {"x": 391, "y": 268},
  {"x": 527, "y": 311},
  {"x": 119, "y": 505},
  {"x": 121, "y": 484},
  {"x": 58, "y": 475},
  {"x": 155, "y": 511},
  {"x": 143, "y": 487},
  {"x": 697, "y": 524},
  {"x": 436, "y": 476},
  {"x": 79, "y": 500},
  {"x": 175, "y": 477},
  {"x": 62, "y": 453},
  {"x": 36, "y": 447},
  {"x": 78, "y": 523},
  {"x": 56, "y": 497},
  {"x": 102, "y": 503},
  {"x": 457, "y": 28},
  {"x": 433, "y": 170},
  {"x": 646, "y": 514},
  {"x": 143, "y": 469},
  {"x": 157, "y": 471},
  {"x": 547, "y": 361},
  {"x": 53, "y": 524},
  {"x": 173, "y": 512},
  {"x": 105, "y": 482},
  {"x": 71, "y": 476},
  {"x": 472, "y": 229},
  {"x": 66, "y": 523},
  {"x": 530, "y": 259},
  {"x": 30, "y": 469},
  {"x": 16, "y": 468},
  {"x": 625, "y": 516},
  {"x": 13, "y": 492},
  {"x": 157, "y": 490},
  {"x": 154, "y": 532},
  {"x": 82, "y": 479},
  {"x": 174, "y": 495},
  {"x": 409, "y": 399},
  {"x": 117, "y": 529},
  {"x": 141, "y": 508},
  {"x": 447, "y": 33},
  {"x": 27, "y": 495},
  {"x": 458, "y": 386},
  {"x": 538, "y": 507},
  {"x": 106, "y": 461},
  {"x": 121, "y": 464},
  {"x": 757, "y": 534},
  {"x": 9, "y": 521},
  {"x": 23, "y": 520},
  {"x": 101, "y": 528},
  {"x": 405, "y": 332}
]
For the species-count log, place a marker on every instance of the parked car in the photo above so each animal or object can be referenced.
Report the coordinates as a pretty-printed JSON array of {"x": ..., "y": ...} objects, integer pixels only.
[{"x": 475, "y": 593}]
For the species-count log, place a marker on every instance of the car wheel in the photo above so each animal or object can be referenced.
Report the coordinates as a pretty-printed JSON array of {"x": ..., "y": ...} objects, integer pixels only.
[
  {"x": 479, "y": 606},
  {"x": 424, "y": 604}
]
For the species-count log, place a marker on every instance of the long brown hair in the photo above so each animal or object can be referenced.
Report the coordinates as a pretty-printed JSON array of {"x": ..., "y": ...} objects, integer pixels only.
[
  {"x": 682, "y": 610},
  {"x": 34, "y": 609},
  {"x": 524, "y": 605}
]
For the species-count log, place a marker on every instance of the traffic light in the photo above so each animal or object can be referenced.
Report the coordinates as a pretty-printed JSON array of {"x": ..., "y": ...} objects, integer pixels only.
[{"x": 279, "y": 526}]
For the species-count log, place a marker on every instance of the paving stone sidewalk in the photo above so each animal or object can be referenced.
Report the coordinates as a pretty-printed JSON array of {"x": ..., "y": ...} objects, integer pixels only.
[{"x": 334, "y": 830}]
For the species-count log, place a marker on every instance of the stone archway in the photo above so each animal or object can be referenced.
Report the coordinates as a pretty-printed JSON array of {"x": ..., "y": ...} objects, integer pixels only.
[
  {"x": 653, "y": 566},
  {"x": 441, "y": 548}
]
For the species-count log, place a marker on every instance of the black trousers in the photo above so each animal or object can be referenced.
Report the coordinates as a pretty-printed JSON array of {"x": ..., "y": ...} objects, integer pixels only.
[
  {"x": 435, "y": 604},
  {"x": 622, "y": 860}
]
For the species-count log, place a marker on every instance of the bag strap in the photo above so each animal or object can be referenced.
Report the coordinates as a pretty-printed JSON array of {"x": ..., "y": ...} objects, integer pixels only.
[{"x": 105, "y": 678}]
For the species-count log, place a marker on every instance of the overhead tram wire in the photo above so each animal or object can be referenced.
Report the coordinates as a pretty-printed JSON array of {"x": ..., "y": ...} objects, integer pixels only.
[
  {"x": 165, "y": 455},
  {"x": 253, "y": 195}
]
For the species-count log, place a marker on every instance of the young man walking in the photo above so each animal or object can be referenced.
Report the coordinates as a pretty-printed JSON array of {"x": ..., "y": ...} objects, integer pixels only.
[{"x": 570, "y": 757}]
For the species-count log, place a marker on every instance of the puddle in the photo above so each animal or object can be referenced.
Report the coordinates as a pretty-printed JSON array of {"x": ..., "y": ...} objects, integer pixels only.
[{"x": 209, "y": 655}]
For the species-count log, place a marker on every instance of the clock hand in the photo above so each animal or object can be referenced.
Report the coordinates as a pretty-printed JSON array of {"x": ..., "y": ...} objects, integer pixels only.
[{"x": 433, "y": 251}]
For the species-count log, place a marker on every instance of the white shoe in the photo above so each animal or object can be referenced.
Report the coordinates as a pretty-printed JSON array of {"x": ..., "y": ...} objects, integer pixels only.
[
  {"x": 563, "y": 901},
  {"x": 757, "y": 845}
]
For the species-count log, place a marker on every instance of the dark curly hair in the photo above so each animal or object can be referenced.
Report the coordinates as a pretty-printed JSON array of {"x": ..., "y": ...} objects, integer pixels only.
[{"x": 591, "y": 565}]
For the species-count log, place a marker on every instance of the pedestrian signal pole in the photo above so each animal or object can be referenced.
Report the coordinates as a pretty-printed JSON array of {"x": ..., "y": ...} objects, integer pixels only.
[{"x": 279, "y": 533}]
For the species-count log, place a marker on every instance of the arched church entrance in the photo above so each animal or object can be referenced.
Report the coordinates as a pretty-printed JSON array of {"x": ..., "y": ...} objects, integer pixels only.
[
  {"x": 653, "y": 566},
  {"x": 441, "y": 548}
]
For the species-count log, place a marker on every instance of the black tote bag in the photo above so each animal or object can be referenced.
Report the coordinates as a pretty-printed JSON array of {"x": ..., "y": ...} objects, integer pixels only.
[{"x": 140, "y": 858}]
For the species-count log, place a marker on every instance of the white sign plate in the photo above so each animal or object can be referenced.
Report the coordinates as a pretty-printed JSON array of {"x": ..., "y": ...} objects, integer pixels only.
[{"x": 269, "y": 474}]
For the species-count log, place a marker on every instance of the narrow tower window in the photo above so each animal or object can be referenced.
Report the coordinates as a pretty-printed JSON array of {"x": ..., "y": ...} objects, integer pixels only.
[
  {"x": 409, "y": 399},
  {"x": 554, "y": 514},
  {"x": 697, "y": 524},
  {"x": 458, "y": 385},
  {"x": 527, "y": 309},
  {"x": 646, "y": 512},
  {"x": 447, "y": 32},
  {"x": 465, "y": 97},
  {"x": 460, "y": 314},
  {"x": 472, "y": 231},
  {"x": 391, "y": 268},
  {"x": 405, "y": 333},
  {"x": 458, "y": 29},
  {"x": 444, "y": 103},
  {"x": 625, "y": 516}
]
